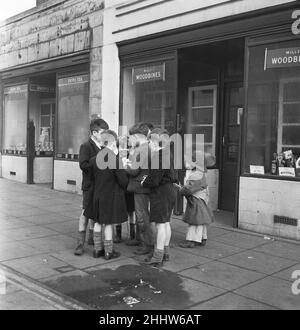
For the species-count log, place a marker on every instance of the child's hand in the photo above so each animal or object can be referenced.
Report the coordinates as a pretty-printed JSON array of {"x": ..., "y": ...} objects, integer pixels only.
[{"x": 185, "y": 191}]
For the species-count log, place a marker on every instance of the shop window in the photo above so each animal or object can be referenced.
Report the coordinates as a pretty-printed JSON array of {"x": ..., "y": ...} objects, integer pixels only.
[
  {"x": 202, "y": 114},
  {"x": 47, "y": 125},
  {"x": 72, "y": 115},
  {"x": 15, "y": 119},
  {"x": 149, "y": 95},
  {"x": 273, "y": 110}
]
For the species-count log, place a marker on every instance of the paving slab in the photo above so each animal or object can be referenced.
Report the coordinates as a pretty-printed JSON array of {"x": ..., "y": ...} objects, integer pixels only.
[
  {"x": 272, "y": 291},
  {"x": 286, "y": 274},
  {"x": 13, "y": 250},
  {"x": 25, "y": 212},
  {"x": 231, "y": 301},
  {"x": 281, "y": 249},
  {"x": 213, "y": 250},
  {"x": 222, "y": 275},
  {"x": 23, "y": 301},
  {"x": 180, "y": 260},
  {"x": 80, "y": 262},
  {"x": 199, "y": 291},
  {"x": 29, "y": 232},
  {"x": 259, "y": 262},
  {"x": 65, "y": 227},
  {"x": 44, "y": 219},
  {"x": 36, "y": 267},
  {"x": 52, "y": 243},
  {"x": 12, "y": 222},
  {"x": 241, "y": 240}
]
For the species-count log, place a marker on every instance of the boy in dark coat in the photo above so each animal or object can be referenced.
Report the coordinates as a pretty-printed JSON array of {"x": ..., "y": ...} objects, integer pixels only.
[
  {"x": 88, "y": 150},
  {"x": 109, "y": 204},
  {"x": 137, "y": 167}
]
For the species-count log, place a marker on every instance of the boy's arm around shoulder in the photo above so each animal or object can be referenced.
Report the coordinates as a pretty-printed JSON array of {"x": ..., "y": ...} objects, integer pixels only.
[{"x": 84, "y": 158}]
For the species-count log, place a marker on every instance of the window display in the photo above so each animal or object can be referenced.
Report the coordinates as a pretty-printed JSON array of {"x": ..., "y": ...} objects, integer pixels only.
[
  {"x": 273, "y": 109},
  {"x": 149, "y": 95},
  {"x": 73, "y": 115},
  {"x": 15, "y": 119}
]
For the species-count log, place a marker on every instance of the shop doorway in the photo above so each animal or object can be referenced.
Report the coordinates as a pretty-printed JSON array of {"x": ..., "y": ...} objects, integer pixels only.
[
  {"x": 41, "y": 129},
  {"x": 210, "y": 102},
  {"x": 233, "y": 111}
]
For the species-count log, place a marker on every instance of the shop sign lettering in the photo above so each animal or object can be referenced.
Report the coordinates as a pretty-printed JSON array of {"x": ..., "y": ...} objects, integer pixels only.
[
  {"x": 148, "y": 73},
  {"x": 296, "y": 24},
  {"x": 257, "y": 169},
  {"x": 73, "y": 80},
  {"x": 286, "y": 171},
  {"x": 282, "y": 58},
  {"x": 15, "y": 89},
  {"x": 41, "y": 89}
]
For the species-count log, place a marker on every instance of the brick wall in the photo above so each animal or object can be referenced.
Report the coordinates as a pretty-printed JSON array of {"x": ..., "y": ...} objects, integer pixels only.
[{"x": 58, "y": 28}]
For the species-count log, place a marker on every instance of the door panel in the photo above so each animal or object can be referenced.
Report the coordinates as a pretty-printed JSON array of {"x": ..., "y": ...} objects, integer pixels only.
[
  {"x": 201, "y": 116},
  {"x": 230, "y": 143}
]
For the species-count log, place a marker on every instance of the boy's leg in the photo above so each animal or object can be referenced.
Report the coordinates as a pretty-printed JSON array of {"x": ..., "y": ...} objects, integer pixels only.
[
  {"x": 91, "y": 232},
  {"x": 98, "y": 241},
  {"x": 143, "y": 223},
  {"x": 204, "y": 235},
  {"x": 118, "y": 234},
  {"x": 167, "y": 241},
  {"x": 81, "y": 234},
  {"x": 108, "y": 243},
  {"x": 158, "y": 253}
]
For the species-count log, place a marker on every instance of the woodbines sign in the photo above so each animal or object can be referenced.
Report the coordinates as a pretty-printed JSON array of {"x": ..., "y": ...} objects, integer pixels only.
[
  {"x": 148, "y": 73},
  {"x": 282, "y": 58}
]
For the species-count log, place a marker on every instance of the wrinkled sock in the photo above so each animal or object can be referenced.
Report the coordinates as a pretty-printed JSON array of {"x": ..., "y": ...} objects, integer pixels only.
[
  {"x": 167, "y": 249},
  {"x": 108, "y": 246},
  {"x": 98, "y": 242}
]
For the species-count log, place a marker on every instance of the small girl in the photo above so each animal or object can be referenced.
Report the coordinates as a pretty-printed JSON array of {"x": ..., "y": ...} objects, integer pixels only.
[{"x": 197, "y": 214}]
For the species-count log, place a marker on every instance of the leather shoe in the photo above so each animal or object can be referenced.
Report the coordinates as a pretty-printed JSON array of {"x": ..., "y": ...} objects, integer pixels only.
[
  {"x": 98, "y": 254},
  {"x": 111, "y": 255}
]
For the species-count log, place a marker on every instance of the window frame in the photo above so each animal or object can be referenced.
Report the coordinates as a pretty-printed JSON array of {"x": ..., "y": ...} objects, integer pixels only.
[
  {"x": 280, "y": 114},
  {"x": 214, "y": 105}
]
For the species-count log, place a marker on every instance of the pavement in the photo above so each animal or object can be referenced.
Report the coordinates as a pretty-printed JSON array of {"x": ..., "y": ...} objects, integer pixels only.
[{"x": 38, "y": 270}]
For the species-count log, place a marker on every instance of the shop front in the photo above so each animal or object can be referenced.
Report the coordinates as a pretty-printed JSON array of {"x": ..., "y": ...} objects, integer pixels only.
[
  {"x": 45, "y": 119},
  {"x": 237, "y": 83}
]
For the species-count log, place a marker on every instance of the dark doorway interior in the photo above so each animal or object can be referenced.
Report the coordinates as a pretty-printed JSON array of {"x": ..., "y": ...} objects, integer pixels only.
[
  {"x": 204, "y": 70},
  {"x": 41, "y": 128}
]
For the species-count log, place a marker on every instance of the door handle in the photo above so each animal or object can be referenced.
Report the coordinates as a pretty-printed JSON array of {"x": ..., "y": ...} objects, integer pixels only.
[
  {"x": 178, "y": 122},
  {"x": 223, "y": 141}
]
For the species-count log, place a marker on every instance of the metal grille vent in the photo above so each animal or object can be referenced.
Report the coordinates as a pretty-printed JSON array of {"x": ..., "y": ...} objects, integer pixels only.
[{"x": 285, "y": 220}]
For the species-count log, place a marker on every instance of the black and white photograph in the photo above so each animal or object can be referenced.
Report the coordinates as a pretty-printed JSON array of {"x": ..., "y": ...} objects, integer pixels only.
[{"x": 149, "y": 159}]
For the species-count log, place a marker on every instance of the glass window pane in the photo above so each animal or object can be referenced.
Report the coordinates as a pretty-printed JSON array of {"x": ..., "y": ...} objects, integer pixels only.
[
  {"x": 45, "y": 109},
  {"x": 273, "y": 101},
  {"x": 149, "y": 100},
  {"x": 292, "y": 91},
  {"x": 291, "y": 135},
  {"x": 206, "y": 130},
  {"x": 73, "y": 113},
  {"x": 45, "y": 121},
  {"x": 202, "y": 116},
  {"x": 202, "y": 98},
  {"x": 291, "y": 113},
  {"x": 15, "y": 117}
]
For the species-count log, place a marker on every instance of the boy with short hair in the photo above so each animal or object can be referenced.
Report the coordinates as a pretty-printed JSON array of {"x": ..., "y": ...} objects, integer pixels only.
[{"x": 88, "y": 150}]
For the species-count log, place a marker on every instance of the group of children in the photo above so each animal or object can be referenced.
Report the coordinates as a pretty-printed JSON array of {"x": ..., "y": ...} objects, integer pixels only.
[{"x": 113, "y": 195}]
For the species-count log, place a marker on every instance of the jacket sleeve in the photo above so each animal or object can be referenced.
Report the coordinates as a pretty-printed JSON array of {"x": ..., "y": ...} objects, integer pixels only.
[
  {"x": 196, "y": 185},
  {"x": 153, "y": 179},
  {"x": 122, "y": 178},
  {"x": 84, "y": 159},
  {"x": 133, "y": 172}
]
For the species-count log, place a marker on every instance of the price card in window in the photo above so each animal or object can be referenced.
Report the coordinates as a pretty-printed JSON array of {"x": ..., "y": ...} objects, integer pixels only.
[
  {"x": 286, "y": 171},
  {"x": 256, "y": 169}
]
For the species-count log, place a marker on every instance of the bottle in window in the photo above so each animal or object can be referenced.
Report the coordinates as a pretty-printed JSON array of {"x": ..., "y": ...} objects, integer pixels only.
[{"x": 274, "y": 166}]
